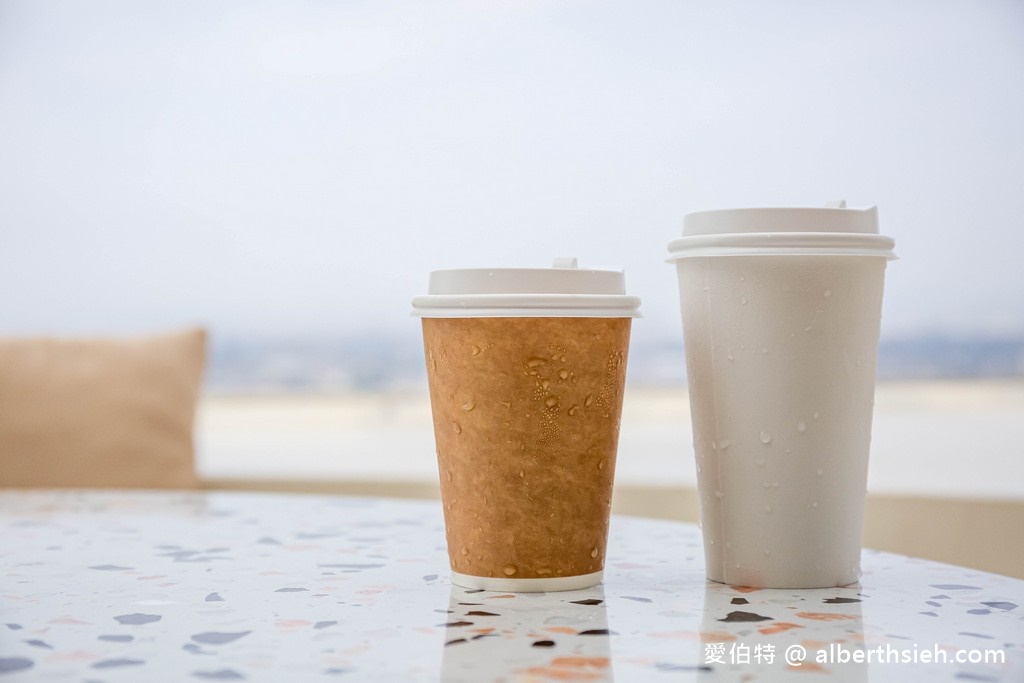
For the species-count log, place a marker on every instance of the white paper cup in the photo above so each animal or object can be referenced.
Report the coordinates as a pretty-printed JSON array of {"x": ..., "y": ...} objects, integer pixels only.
[
  {"x": 526, "y": 370},
  {"x": 781, "y": 311}
]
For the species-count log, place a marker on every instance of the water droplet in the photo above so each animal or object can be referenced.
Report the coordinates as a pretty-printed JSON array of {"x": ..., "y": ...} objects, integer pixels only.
[
  {"x": 563, "y": 373},
  {"x": 712, "y": 541},
  {"x": 551, "y": 401},
  {"x": 719, "y": 495},
  {"x": 449, "y": 475},
  {"x": 724, "y": 444},
  {"x": 456, "y": 427},
  {"x": 730, "y": 356},
  {"x": 589, "y": 400},
  {"x": 816, "y": 416},
  {"x": 698, "y": 469},
  {"x": 767, "y": 508},
  {"x": 759, "y": 462},
  {"x": 801, "y": 426},
  {"x": 465, "y": 551},
  {"x": 572, "y": 410},
  {"x": 737, "y": 565},
  {"x": 535, "y": 362},
  {"x": 807, "y": 329},
  {"x": 593, "y": 553},
  {"x": 522, "y": 473},
  {"x": 476, "y": 350},
  {"x": 766, "y": 438},
  {"x": 507, "y": 404},
  {"x": 509, "y": 570},
  {"x": 767, "y": 552},
  {"x": 743, "y": 300},
  {"x": 827, "y": 293},
  {"x": 814, "y": 504},
  {"x": 600, "y": 465},
  {"x": 714, "y": 445},
  {"x": 766, "y": 484},
  {"x": 764, "y": 349},
  {"x": 820, "y": 471},
  {"x": 469, "y": 405}
]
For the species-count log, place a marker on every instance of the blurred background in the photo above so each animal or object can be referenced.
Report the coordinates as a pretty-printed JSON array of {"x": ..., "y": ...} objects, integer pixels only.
[{"x": 286, "y": 175}]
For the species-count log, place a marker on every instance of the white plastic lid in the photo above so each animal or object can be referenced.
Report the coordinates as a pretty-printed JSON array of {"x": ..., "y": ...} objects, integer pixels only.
[
  {"x": 562, "y": 291},
  {"x": 828, "y": 231}
]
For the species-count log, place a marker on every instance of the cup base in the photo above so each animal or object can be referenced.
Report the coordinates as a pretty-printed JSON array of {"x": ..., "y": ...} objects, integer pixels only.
[{"x": 558, "y": 583}]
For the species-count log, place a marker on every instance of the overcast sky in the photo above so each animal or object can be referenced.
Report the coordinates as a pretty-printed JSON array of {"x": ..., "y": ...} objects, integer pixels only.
[{"x": 298, "y": 168}]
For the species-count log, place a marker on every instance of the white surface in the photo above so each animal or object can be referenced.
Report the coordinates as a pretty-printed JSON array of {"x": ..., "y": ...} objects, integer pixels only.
[
  {"x": 780, "y": 359},
  {"x": 961, "y": 439}
]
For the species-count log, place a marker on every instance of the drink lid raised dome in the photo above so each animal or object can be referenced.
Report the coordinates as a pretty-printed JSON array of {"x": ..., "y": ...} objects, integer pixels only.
[
  {"x": 830, "y": 230},
  {"x": 564, "y": 290}
]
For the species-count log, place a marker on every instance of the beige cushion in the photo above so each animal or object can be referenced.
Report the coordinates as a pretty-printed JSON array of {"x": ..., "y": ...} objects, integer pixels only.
[{"x": 100, "y": 412}]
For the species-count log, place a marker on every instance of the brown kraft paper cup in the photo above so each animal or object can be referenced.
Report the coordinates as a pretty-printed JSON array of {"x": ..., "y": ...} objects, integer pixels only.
[{"x": 526, "y": 421}]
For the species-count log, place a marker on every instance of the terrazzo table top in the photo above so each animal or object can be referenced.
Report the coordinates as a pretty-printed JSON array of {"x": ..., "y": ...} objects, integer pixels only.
[{"x": 131, "y": 586}]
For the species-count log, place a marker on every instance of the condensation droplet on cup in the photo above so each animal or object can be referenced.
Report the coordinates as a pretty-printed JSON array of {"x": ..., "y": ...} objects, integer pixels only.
[
  {"x": 743, "y": 300},
  {"x": 551, "y": 401},
  {"x": 572, "y": 410},
  {"x": 449, "y": 475},
  {"x": 476, "y": 350},
  {"x": 563, "y": 374},
  {"x": 593, "y": 553},
  {"x": 820, "y": 471},
  {"x": 719, "y": 495},
  {"x": 730, "y": 356},
  {"x": 724, "y": 444},
  {"x": 759, "y": 462},
  {"x": 589, "y": 400},
  {"x": 456, "y": 427},
  {"x": 801, "y": 426},
  {"x": 469, "y": 405},
  {"x": 816, "y": 416},
  {"x": 509, "y": 569},
  {"x": 766, "y": 438},
  {"x": 827, "y": 293},
  {"x": 767, "y": 508},
  {"x": 814, "y": 504}
]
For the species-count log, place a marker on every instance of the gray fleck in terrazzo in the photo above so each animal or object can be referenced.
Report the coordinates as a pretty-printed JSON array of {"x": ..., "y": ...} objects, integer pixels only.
[
  {"x": 117, "y": 663},
  {"x": 219, "y": 675},
  {"x": 215, "y": 638},
  {"x": 137, "y": 619},
  {"x": 13, "y": 664}
]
